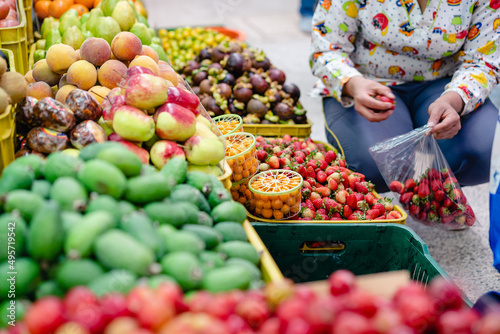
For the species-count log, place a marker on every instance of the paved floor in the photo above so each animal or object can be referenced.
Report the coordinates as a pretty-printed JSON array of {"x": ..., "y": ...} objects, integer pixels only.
[{"x": 273, "y": 27}]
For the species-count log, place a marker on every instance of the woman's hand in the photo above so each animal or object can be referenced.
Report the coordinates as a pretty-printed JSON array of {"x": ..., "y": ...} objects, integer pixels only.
[
  {"x": 363, "y": 91},
  {"x": 443, "y": 116}
]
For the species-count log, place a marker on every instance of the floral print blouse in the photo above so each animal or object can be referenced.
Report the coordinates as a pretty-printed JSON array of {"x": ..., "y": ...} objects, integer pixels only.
[{"x": 392, "y": 42}]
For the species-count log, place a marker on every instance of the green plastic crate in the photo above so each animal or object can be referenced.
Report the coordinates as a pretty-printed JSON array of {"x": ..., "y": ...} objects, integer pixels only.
[{"x": 310, "y": 252}]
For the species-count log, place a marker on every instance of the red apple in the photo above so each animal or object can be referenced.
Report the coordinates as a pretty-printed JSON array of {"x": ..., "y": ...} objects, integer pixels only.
[
  {"x": 146, "y": 91},
  {"x": 164, "y": 150},
  {"x": 174, "y": 122},
  {"x": 183, "y": 98}
]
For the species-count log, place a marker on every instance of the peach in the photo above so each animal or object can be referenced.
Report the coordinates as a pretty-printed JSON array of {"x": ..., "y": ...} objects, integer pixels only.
[
  {"x": 63, "y": 81},
  {"x": 42, "y": 72},
  {"x": 168, "y": 73},
  {"x": 63, "y": 92},
  {"x": 111, "y": 73},
  {"x": 82, "y": 74},
  {"x": 150, "y": 52},
  {"x": 99, "y": 92},
  {"x": 146, "y": 62},
  {"x": 29, "y": 77},
  {"x": 39, "y": 90},
  {"x": 60, "y": 57},
  {"x": 95, "y": 50},
  {"x": 126, "y": 46}
]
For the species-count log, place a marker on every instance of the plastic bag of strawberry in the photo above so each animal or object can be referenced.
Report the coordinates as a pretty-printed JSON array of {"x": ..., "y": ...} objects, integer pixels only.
[{"x": 418, "y": 174}]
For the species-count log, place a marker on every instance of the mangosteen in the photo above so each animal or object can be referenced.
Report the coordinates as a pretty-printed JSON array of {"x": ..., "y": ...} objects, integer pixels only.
[
  {"x": 196, "y": 90},
  {"x": 211, "y": 105},
  {"x": 251, "y": 119},
  {"x": 205, "y": 87},
  {"x": 199, "y": 77},
  {"x": 256, "y": 107},
  {"x": 191, "y": 65},
  {"x": 224, "y": 90},
  {"x": 300, "y": 119},
  {"x": 259, "y": 85},
  {"x": 271, "y": 117},
  {"x": 214, "y": 69},
  {"x": 216, "y": 55},
  {"x": 236, "y": 107},
  {"x": 243, "y": 94},
  {"x": 292, "y": 90},
  {"x": 204, "y": 54},
  {"x": 264, "y": 64},
  {"x": 235, "y": 63},
  {"x": 277, "y": 75},
  {"x": 229, "y": 79},
  {"x": 234, "y": 46},
  {"x": 283, "y": 111}
]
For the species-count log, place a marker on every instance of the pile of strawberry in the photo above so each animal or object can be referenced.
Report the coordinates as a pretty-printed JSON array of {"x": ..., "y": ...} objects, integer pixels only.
[
  {"x": 330, "y": 190},
  {"x": 435, "y": 199},
  {"x": 280, "y": 308}
]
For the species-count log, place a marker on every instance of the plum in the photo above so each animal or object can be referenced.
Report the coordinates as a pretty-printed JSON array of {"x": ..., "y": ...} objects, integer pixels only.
[
  {"x": 283, "y": 111},
  {"x": 256, "y": 107},
  {"x": 199, "y": 77},
  {"x": 235, "y": 63},
  {"x": 243, "y": 94},
  {"x": 229, "y": 79},
  {"x": 259, "y": 85},
  {"x": 277, "y": 75},
  {"x": 292, "y": 90}
]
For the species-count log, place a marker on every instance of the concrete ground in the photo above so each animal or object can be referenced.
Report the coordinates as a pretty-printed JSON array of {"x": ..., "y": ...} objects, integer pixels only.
[{"x": 273, "y": 27}]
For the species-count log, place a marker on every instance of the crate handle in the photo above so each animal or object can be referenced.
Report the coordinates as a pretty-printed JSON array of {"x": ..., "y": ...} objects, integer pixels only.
[{"x": 321, "y": 247}]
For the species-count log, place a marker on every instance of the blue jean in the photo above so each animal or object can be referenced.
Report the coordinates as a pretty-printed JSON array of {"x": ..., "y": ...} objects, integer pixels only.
[{"x": 468, "y": 153}]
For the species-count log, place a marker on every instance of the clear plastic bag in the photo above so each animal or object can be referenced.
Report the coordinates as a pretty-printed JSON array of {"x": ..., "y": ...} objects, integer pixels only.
[{"x": 418, "y": 174}]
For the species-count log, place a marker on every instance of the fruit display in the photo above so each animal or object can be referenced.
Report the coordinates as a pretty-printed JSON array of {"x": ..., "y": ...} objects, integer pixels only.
[
  {"x": 240, "y": 155},
  {"x": 105, "y": 220},
  {"x": 276, "y": 193},
  {"x": 280, "y": 308},
  {"x": 330, "y": 191},
  {"x": 9, "y": 16},
  {"x": 233, "y": 79},
  {"x": 105, "y": 21},
  {"x": 183, "y": 44},
  {"x": 57, "y": 8},
  {"x": 435, "y": 199}
]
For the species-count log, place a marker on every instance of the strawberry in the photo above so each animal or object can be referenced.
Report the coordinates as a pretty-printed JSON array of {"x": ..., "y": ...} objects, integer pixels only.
[
  {"x": 284, "y": 162},
  {"x": 352, "y": 180},
  {"x": 345, "y": 179},
  {"x": 470, "y": 217},
  {"x": 321, "y": 211},
  {"x": 444, "y": 211},
  {"x": 433, "y": 174},
  {"x": 434, "y": 205},
  {"x": 324, "y": 191},
  {"x": 286, "y": 168},
  {"x": 318, "y": 203},
  {"x": 352, "y": 201},
  {"x": 372, "y": 214},
  {"x": 332, "y": 184},
  {"x": 310, "y": 172},
  {"x": 342, "y": 163},
  {"x": 336, "y": 218},
  {"x": 383, "y": 217},
  {"x": 359, "y": 196},
  {"x": 458, "y": 196},
  {"x": 387, "y": 202},
  {"x": 318, "y": 156},
  {"x": 312, "y": 181},
  {"x": 354, "y": 217},
  {"x": 306, "y": 193},
  {"x": 425, "y": 206},
  {"x": 422, "y": 215},
  {"x": 383, "y": 98},
  {"x": 406, "y": 198},
  {"x": 312, "y": 163},
  {"x": 423, "y": 191},
  {"x": 433, "y": 216},
  {"x": 315, "y": 196},
  {"x": 320, "y": 216},
  {"x": 445, "y": 173},
  {"x": 436, "y": 185},
  {"x": 362, "y": 205},
  {"x": 336, "y": 215},
  {"x": 302, "y": 171},
  {"x": 415, "y": 199},
  {"x": 341, "y": 196},
  {"x": 299, "y": 160},
  {"x": 393, "y": 215},
  {"x": 321, "y": 177},
  {"x": 307, "y": 213},
  {"x": 310, "y": 205},
  {"x": 346, "y": 211},
  {"x": 447, "y": 203},
  {"x": 274, "y": 162},
  {"x": 414, "y": 209},
  {"x": 451, "y": 179},
  {"x": 439, "y": 195},
  {"x": 329, "y": 170},
  {"x": 361, "y": 187},
  {"x": 448, "y": 186},
  {"x": 409, "y": 184},
  {"x": 447, "y": 219},
  {"x": 262, "y": 155},
  {"x": 397, "y": 187},
  {"x": 335, "y": 176},
  {"x": 370, "y": 199},
  {"x": 323, "y": 164},
  {"x": 330, "y": 156},
  {"x": 330, "y": 205},
  {"x": 380, "y": 207},
  {"x": 299, "y": 154}
]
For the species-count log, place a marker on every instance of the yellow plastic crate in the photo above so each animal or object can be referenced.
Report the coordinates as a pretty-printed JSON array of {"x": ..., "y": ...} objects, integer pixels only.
[
  {"x": 279, "y": 130},
  {"x": 15, "y": 40},
  {"x": 268, "y": 267},
  {"x": 7, "y": 125},
  {"x": 28, "y": 9},
  {"x": 31, "y": 57}
]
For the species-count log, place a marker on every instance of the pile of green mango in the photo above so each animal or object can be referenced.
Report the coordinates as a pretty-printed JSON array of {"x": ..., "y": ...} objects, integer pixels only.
[
  {"x": 105, "y": 21},
  {"x": 104, "y": 220}
]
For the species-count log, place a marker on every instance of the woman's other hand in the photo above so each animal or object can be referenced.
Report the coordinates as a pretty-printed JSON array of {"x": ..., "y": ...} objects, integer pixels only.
[
  {"x": 444, "y": 118},
  {"x": 363, "y": 91}
]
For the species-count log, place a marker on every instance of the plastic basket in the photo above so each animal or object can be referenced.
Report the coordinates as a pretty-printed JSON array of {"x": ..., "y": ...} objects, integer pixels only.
[
  {"x": 226, "y": 177},
  {"x": 244, "y": 163},
  {"x": 283, "y": 204},
  {"x": 28, "y": 9},
  {"x": 279, "y": 130},
  {"x": 31, "y": 57},
  {"x": 268, "y": 267},
  {"x": 7, "y": 125},
  {"x": 311, "y": 252},
  {"x": 15, "y": 40},
  {"x": 234, "y": 122}
]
